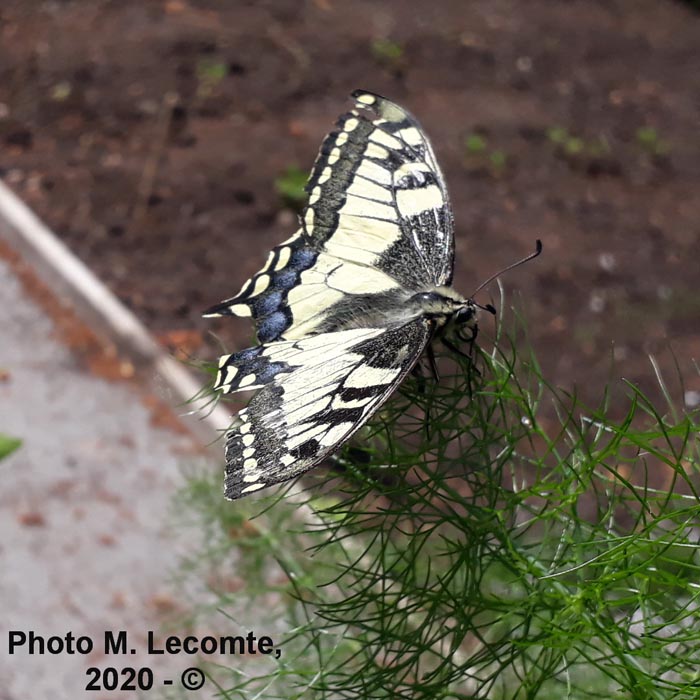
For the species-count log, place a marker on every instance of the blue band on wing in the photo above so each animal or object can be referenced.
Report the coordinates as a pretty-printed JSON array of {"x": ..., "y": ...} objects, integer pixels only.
[{"x": 271, "y": 327}]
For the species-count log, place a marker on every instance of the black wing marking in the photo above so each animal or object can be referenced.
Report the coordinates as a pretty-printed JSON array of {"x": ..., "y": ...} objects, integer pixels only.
[
  {"x": 377, "y": 227},
  {"x": 314, "y": 394}
]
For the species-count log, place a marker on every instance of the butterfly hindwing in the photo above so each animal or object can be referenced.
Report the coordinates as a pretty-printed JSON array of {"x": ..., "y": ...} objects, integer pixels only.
[
  {"x": 313, "y": 394},
  {"x": 265, "y": 295},
  {"x": 378, "y": 226}
]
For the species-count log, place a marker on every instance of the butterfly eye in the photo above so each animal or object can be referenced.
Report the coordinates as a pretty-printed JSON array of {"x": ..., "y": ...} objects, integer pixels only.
[{"x": 464, "y": 315}]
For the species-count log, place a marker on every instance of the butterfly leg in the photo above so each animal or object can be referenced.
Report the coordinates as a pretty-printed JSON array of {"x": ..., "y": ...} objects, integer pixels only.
[
  {"x": 458, "y": 351},
  {"x": 436, "y": 376},
  {"x": 433, "y": 364},
  {"x": 471, "y": 338},
  {"x": 468, "y": 355},
  {"x": 418, "y": 373},
  {"x": 417, "y": 370}
]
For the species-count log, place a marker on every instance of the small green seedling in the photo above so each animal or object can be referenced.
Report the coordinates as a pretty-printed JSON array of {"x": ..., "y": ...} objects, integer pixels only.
[{"x": 290, "y": 186}]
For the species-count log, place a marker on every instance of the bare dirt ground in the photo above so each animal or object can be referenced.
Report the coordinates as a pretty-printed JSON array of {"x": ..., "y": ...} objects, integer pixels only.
[{"x": 149, "y": 135}]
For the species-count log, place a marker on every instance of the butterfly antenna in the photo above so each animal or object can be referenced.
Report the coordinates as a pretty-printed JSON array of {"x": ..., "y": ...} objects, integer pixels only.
[{"x": 517, "y": 263}]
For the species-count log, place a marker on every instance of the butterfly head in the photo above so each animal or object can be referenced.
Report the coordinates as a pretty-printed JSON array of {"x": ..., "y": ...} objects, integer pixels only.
[{"x": 446, "y": 306}]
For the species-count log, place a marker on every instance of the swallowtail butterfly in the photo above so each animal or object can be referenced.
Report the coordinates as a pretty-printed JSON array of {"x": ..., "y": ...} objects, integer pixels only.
[{"x": 345, "y": 307}]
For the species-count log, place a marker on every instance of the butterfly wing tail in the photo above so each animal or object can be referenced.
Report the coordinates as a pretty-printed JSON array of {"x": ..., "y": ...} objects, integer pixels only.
[{"x": 264, "y": 296}]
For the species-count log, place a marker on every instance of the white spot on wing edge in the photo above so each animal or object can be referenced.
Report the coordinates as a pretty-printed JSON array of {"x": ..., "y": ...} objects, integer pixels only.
[
  {"x": 262, "y": 282},
  {"x": 333, "y": 156},
  {"x": 231, "y": 373},
  {"x": 240, "y": 310},
  {"x": 325, "y": 175},
  {"x": 252, "y": 487},
  {"x": 268, "y": 262},
  {"x": 309, "y": 218},
  {"x": 315, "y": 195},
  {"x": 365, "y": 99},
  {"x": 284, "y": 254},
  {"x": 247, "y": 381},
  {"x": 237, "y": 309}
]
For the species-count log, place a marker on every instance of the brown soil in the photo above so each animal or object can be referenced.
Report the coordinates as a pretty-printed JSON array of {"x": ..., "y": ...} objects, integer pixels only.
[{"x": 149, "y": 136}]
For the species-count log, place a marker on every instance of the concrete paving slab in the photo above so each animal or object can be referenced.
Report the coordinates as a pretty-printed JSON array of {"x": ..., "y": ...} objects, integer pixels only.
[{"x": 86, "y": 545}]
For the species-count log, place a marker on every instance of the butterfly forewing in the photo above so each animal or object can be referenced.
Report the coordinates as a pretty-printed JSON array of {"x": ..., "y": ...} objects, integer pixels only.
[{"x": 378, "y": 223}]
